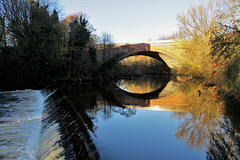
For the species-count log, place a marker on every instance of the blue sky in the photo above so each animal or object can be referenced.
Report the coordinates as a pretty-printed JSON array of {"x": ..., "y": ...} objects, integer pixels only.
[{"x": 131, "y": 20}]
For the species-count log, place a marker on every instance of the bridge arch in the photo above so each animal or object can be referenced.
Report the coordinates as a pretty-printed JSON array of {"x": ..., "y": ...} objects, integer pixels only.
[{"x": 153, "y": 54}]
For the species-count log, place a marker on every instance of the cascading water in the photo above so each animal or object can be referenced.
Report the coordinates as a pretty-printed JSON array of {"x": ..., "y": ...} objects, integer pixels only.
[
  {"x": 49, "y": 147},
  {"x": 20, "y": 123},
  {"x": 40, "y": 125},
  {"x": 66, "y": 136}
]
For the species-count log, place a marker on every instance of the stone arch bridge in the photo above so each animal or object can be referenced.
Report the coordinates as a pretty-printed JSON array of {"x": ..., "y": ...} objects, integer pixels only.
[{"x": 167, "y": 60}]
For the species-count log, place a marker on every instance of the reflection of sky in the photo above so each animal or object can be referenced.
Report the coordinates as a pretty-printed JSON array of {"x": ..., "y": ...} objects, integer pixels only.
[
  {"x": 146, "y": 135},
  {"x": 131, "y": 20}
]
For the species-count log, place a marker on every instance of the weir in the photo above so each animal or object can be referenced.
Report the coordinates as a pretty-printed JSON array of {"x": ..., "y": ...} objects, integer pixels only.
[
  {"x": 44, "y": 125},
  {"x": 64, "y": 135}
]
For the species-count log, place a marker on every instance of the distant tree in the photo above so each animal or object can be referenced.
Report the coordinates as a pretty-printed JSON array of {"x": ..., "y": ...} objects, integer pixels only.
[
  {"x": 166, "y": 37},
  {"x": 106, "y": 45}
]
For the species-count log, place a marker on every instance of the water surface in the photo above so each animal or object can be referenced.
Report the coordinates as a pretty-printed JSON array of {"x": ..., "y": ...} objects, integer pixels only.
[{"x": 140, "y": 118}]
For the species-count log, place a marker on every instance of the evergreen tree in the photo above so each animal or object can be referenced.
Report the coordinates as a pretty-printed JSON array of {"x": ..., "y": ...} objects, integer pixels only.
[{"x": 79, "y": 37}]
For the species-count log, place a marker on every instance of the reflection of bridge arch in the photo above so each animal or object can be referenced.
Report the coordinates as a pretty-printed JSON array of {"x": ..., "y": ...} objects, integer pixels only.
[
  {"x": 150, "y": 95},
  {"x": 165, "y": 98},
  {"x": 121, "y": 97}
]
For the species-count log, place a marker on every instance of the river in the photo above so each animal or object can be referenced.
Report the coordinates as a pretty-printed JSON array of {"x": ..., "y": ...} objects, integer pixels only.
[{"x": 140, "y": 118}]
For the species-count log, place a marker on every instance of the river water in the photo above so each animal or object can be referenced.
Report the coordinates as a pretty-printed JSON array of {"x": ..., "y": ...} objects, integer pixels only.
[{"x": 141, "y": 118}]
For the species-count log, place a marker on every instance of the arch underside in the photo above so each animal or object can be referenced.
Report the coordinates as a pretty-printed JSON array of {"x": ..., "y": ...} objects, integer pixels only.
[
  {"x": 117, "y": 58},
  {"x": 151, "y": 54}
]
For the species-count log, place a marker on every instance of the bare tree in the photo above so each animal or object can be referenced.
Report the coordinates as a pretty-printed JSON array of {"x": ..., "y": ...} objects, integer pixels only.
[
  {"x": 195, "y": 29},
  {"x": 106, "y": 45}
]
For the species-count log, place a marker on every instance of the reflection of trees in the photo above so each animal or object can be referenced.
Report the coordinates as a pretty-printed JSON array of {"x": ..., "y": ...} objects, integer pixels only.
[
  {"x": 225, "y": 142},
  {"x": 111, "y": 103},
  {"x": 203, "y": 117},
  {"x": 108, "y": 111},
  {"x": 143, "y": 84},
  {"x": 206, "y": 125},
  {"x": 195, "y": 129},
  {"x": 84, "y": 99}
]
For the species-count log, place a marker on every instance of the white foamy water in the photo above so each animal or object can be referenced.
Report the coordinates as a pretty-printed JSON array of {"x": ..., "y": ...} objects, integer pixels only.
[{"x": 20, "y": 123}]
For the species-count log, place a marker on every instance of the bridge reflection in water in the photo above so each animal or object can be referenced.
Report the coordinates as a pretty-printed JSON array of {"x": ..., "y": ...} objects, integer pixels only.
[{"x": 154, "y": 94}]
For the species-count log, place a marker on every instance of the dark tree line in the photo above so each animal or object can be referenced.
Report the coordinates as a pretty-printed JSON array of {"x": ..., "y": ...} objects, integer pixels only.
[{"x": 36, "y": 46}]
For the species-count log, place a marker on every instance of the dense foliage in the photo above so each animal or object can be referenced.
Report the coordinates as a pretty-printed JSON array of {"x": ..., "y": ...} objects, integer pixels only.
[
  {"x": 36, "y": 46},
  {"x": 209, "y": 36},
  {"x": 225, "y": 44}
]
